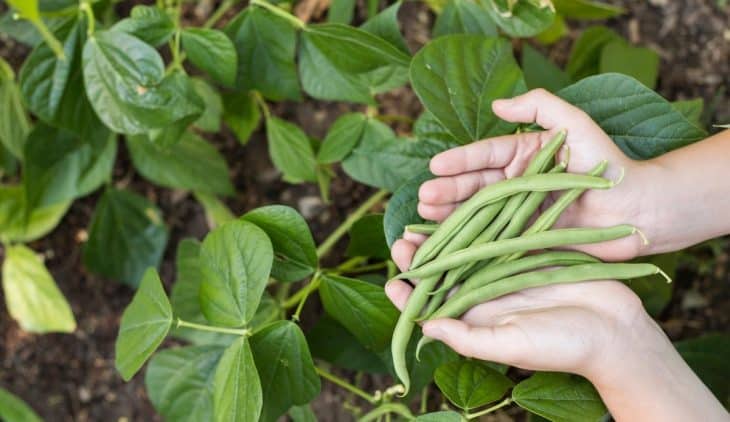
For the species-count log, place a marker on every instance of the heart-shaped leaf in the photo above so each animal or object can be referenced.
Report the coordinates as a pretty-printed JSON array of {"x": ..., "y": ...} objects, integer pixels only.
[
  {"x": 561, "y": 397},
  {"x": 212, "y": 51},
  {"x": 237, "y": 392},
  {"x": 469, "y": 384},
  {"x": 145, "y": 323}
]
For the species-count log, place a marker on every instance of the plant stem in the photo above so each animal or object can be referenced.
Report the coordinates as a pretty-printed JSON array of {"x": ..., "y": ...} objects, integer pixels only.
[
  {"x": 387, "y": 409},
  {"x": 295, "y": 21},
  {"x": 218, "y": 14},
  {"x": 499, "y": 405},
  {"x": 236, "y": 331},
  {"x": 344, "y": 384},
  {"x": 311, "y": 287},
  {"x": 389, "y": 118},
  {"x": 366, "y": 268},
  {"x": 262, "y": 104},
  {"x": 350, "y": 264},
  {"x": 340, "y": 231},
  {"x": 424, "y": 400}
]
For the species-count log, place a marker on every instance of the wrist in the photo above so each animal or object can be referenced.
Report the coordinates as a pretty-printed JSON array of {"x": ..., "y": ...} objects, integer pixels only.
[{"x": 656, "y": 213}]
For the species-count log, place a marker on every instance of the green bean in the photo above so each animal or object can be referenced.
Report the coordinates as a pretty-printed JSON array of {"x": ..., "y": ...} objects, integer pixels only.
[
  {"x": 422, "y": 228},
  {"x": 542, "y": 240}
]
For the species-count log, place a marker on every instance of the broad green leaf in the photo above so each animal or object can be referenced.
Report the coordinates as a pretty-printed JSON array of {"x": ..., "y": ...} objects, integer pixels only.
[
  {"x": 540, "y": 72},
  {"x": 16, "y": 225},
  {"x": 295, "y": 254},
  {"x": 291, "y": 151},
  {"x": 148, "y": 23},
  {"x": 185, "y": 296},
  {"x": 14, "y": 124},
  {"x": 526, "y": 18},
  {"x": 330, "y": 341},
  {"x": 585, "y": 56},
  {"x": 342, "y": 137},
  {"x": 458, "y": 76},
  {"x": 241, "y": 114},
  {"x": 341, "y": 11},
  {"x": 464, "y": 17},
  {"x": 654, "y": 294},
  {"x": 367, "y": 238},
  {"x": 338, "y": 62},
  {"x": 19, "y": 30},
  {"x": 427, "y": 127},
  {"x": 707, "y": 356},
  {"x": 443, "y": 416},
  {"x": 60, "y": 166},
  {"x": 12, "y": 408},
  {"x": 125, "y": 78},
  {"x": 554, "y": 32},
  {"x": 267, "y": 312},
  {"x": 145, "y": 323},
  {"x": 691, "y": 109},
  {"x": 285, "y": 368},
  {"x": 639, "y": 62},
  {"x": 469, "y": 384},
  {"x": 433, "y": 356},
  {"x": 237, "y": 394},
  {"x": 640, "y": 121},
  {"x": 385, "y": 26},
  {"x": 179, "y": 382},
  {"x": 212, "y": 51},
  {"x": 216, "y": 212},
  {"x": 265, "y": 44},
  {"x": 126, "y": 236},
  {"x": 192, "y": 163},
  {"x": 360, "y": 307},
  {"x": 235, "y": 261},
  {"x": 31, "y": 295},
  {"x": 387, "y": 163},
  {"x": 210, "y": 120},
  {"x": 402, "y": 207},
  {"x": 302, "y": 413},
  {"x": 53, "y": 88},
  {"x": 586, "y": 9},
  {"x": 559, "y": 397}
]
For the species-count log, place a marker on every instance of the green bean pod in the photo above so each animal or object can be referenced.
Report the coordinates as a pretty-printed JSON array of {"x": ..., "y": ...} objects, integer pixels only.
[
  {"x": 542, "y": 240},
  {"x": 424, "y": 228}
]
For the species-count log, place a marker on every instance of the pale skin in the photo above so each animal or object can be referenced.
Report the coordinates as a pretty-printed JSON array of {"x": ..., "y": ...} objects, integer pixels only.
[{"x": 599, "y": 330}]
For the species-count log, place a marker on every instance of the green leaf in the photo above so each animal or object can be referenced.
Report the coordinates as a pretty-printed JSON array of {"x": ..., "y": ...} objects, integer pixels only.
[
  {"x": 433, "y": 356},
  {"x": 210, "y": 120},
  {"x": 216, "y": 212},
  {"x": 145, "y": 323},
  {"x": 427, "y": 127},
  {"x": 586, "y": 9},
  {"x": 654, "y": 294},
  {"x": 560, "y": 397},
  {"x": 341, "y": 11},
  {"x": 443, "y": 416},
  {"x": 464, "y": 17},
  {"x": 265, "y": 44},
  {"x": 60, "y": 166},
  {"x": 286, "y": 368},
  {"x": 14, "y": 124},
  {"x": 387, "y": 163},
  {"x": 540, "y": 72},
  {"x": 707, "y": 356},
  {"x": 295, "y": 254},
  {"x": 128, "y": 89},
  {"x": 19, "y": 30},
  {"x": 342, "y": 137},
  {"x": 18, "y": 224},
  {"x": 28, "y": 9},
  {"x": 367, "y": 238},
  {"x": 585, "y": 56},
  {"x": 385, "y": 26},
  {"x": 241, "y": 114},
  {"x": 192, "y": 163},
  {"x": 179, "y": 382},
  {"x": 526, "y": 18},
  {"x": 469, "y": 384},
  {"x": 291, "y": 151},
  {"x": 12, "y": 408},
  {"x": 31, "y": 295},
  {"x": 402, "y": 207},
  {"x": 212, "y": 51},
  {"x": 235, "y": 261},
  {"x": 638, "y": 62},
  {"x": 458, "y": 76},
  {"x": 691, "y": 109},
  {"x": 237, "y": 392},
  {"x": 149, "y": 24},
  {"x": 126, "y": 236},
  {"x": 640, "y": 121},
  {"x": 302, "y": 413},
  {"x": 554, "y": 32},
  {"x": 338, "y": 62},
  {"x": 361, "y": 307},
  {"x": 330, "y": 341}
]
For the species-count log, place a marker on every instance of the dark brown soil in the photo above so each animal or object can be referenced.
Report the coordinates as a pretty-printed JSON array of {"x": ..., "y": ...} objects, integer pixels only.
[{"x": 72, "y": 377}]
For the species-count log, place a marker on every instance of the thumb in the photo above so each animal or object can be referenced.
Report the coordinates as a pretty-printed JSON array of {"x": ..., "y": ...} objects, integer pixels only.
[{"x": 500, "y": 343}]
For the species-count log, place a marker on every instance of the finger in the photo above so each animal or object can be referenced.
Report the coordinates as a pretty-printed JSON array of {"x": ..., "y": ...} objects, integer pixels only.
[
  {"x": 445, "y": 190},
  {"x": 398, "y": 292},
  {"x": 435, "y": 212},
  {"x": 493, "y": 153},
  {"x": 402, "y": 253},
  {"x": 502, "y": 343},
  {"x": 415, "y": 238}
]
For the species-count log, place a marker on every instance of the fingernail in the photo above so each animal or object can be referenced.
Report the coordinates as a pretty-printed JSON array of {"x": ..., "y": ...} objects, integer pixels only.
[{"x": 433, "y": 330}]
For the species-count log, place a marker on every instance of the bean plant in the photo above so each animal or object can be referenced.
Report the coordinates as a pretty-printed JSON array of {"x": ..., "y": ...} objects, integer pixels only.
[{"x": 163, "y": 88}]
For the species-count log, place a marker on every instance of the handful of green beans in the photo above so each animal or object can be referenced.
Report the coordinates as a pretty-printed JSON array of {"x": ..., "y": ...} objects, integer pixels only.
[{"x": 480, "y": 249}]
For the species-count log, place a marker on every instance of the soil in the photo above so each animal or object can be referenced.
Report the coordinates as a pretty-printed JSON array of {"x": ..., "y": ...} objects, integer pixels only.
[{"x": 72, "y": 377}]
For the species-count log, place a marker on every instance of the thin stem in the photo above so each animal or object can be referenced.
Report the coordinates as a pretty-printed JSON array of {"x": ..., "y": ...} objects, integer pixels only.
[
  {"x": 236, "y": 331},
  {"x": 262, "y": 103},
  {"x": 218, "y": 14},
  {"x": 366, "y": 268},
  {"x": 91, "y": 20},
  {"x": 344, "y": 384},
  {"x": 387, "y": 409},
  {"x": 295, "y": 21},
  {"x": 389, "y": 118},
  {"x": 294, "y": 299},
  {"x": 424, "y": 400},
  {"x": 350, "y": 264},
  {"x": 311, "y": 287},
  {"x": 340, "y": 231},
  {"x": 497, "y": 406}
]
